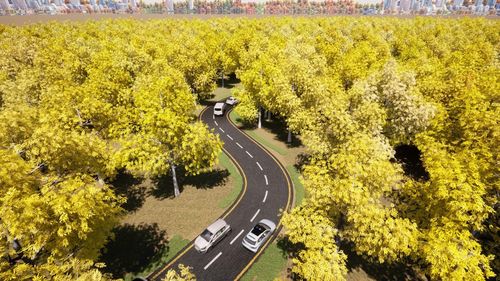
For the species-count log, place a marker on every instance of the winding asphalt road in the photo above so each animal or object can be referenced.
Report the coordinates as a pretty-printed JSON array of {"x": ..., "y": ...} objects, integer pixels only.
[{"x": 267, "y": 191}]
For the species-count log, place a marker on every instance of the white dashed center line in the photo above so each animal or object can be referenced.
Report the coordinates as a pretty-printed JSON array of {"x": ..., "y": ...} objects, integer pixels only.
[
  {"x": 234, "y": 239},
  {"x": 256, "y": 213},
  {"x": 216, "y": 124},
  {"x": 221, "y": 129},
  {"x": 249, "y": 154},
  {"x": 239, "y": 145},
  {"x": 265, "y": 197},
  {"x": 260, "y": 167},
  {"x": 267, "y": 182},
  {"x": 230, "y": 137},
  {"x": 213, "y": 117},
  {"x": 212, "y": 261}
]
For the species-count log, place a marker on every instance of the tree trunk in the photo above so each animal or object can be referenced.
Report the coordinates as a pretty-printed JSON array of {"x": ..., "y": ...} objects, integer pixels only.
[
  {"x": 259, "y": 125},
  {"x": 174, "y": 180},
  {"x": 100, "y": 179},
  {"x": 268, "y": 115},
  {"x": 222, "y": 80},
  {"x": 289, "y": 138}
]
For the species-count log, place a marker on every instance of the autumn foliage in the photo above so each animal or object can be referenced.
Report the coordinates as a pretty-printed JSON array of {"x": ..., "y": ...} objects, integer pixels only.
[{"x": 80, "y": 101}]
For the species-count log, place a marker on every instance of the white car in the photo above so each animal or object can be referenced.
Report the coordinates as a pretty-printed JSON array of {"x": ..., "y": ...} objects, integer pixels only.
[
  {"x": 231, "y": 101},
  {"x": 212, "y": 235},
  {"x": 258, "y": 235},
  {"x": 219, "y": 108}
]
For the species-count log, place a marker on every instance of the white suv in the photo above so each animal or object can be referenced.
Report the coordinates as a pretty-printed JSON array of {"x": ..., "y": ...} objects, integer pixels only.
[
  {"x": 212, "y": 235},
  {"x": 258, "y": 235},
  {"x": 219, "y": 108}
]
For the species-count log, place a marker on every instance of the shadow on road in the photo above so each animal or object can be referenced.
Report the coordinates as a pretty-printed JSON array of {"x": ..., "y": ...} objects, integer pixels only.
[
  {"x": 163, "y": 187},
  {"x": 133, "y": 248}
]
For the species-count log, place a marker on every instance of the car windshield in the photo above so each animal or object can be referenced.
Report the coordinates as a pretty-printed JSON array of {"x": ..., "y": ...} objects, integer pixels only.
[
  {"x": 258, "y": 229},
  {"x": 207, "y": 235},
  {"x": 249, "y": 241}
]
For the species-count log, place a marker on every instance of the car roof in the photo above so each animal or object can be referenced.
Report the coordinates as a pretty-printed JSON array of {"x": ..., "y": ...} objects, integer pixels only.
[
  {"x": 259, "y": 229},
  {"x": 219, "y": 105},
  {"x": 217, "y": 225}
]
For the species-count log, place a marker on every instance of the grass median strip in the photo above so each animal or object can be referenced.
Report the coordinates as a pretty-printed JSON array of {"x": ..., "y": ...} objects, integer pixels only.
[
  {"x": 268, "y": 266},
  {"x": 299, "y": 188}
]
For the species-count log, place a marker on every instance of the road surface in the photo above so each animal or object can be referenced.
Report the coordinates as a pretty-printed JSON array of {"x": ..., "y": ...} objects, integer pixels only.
[{"x": 267, "y": 191}]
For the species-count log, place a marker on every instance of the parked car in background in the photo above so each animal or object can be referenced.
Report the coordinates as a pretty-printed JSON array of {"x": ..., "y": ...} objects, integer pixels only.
[
  {"x": 219, "y": 108},
  {"x": 231, "y": 101},
  {"x": 258, "y": 235},
  {"x": 212, "y": 235}
]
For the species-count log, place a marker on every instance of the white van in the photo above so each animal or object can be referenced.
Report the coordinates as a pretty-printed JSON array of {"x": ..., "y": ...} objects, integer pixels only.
[
  {"x": 212, "y": 235},
  {"x": 219, "y": 108}
]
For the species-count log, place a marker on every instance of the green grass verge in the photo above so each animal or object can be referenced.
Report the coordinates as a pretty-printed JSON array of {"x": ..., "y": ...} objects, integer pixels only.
[
  {"x": 238, "y": 181},
  {"x": 268, "y": 266},
  {"x": 299, "y": 188},
  {"x": 174, "y": 246},
  {"x": 235, "y": 118}
]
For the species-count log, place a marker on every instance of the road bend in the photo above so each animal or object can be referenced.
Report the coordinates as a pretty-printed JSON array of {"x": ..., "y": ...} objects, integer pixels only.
[{"x": 267, "y": 191}]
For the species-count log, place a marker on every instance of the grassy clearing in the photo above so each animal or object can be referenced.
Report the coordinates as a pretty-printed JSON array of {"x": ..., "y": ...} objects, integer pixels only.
[
  {"x": 203, "y": 199},
  {"x": 175, "y": 244},
  {"x": 268, "y": 266}
]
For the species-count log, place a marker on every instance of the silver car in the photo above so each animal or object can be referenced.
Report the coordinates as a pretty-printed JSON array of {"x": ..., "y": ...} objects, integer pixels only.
[
  {"x": 231, "y": 101},
  {"x": 258, "y": 235},
  {"x": 212, "y": 235}
]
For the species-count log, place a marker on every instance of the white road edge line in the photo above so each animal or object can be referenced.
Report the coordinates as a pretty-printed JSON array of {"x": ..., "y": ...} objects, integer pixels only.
[
  {"x": 234, "y": 239},
  {"x": 256, "y": 213},
  {"x": 221, "y": 129},
  {"x": 212, "y": 261},
  {"x": 260, "y": 167},
  {"x": 239, "y": 145},
  {"x": 216, "y": 124},
  {"x": 249, "y": 154},
  {"x": 230, "y": 137},
  {"x": 265, "y": 197},
  {"x": 267, "y": 182}
]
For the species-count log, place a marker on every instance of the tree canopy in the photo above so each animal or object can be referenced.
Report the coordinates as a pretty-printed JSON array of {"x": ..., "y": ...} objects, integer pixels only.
[{"x": 79, "y": 101}]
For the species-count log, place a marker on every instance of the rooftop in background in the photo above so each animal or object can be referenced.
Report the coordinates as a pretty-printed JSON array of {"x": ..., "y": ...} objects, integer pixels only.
[{"x": 141, "y": 9}]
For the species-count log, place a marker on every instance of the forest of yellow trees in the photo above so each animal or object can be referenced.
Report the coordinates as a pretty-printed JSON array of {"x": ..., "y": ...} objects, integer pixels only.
[{"x": 80, "y": 101}]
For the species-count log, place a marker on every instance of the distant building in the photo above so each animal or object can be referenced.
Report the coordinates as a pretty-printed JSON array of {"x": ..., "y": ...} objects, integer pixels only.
[
  {"x": 390, "y": 5},
  {"x": 479, "y": 5},
  {"x": 33, "y": 4},
  {"x": 457, "y": 4},
  {"x": 405, "y": 5},
  {"x": 19, "y": 5},
  {"x": 4, "y": 5}
]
